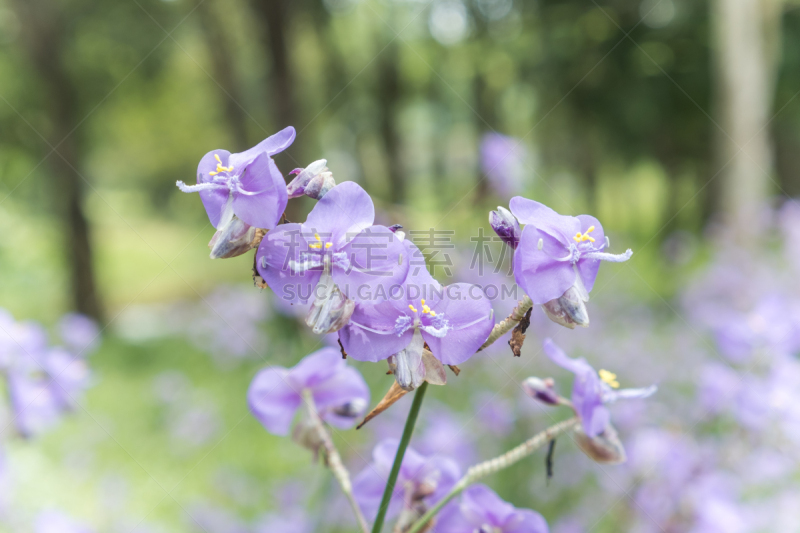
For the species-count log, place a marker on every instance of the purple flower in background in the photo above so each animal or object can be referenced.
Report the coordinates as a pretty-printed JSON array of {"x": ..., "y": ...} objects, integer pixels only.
[
  {"x": 482, "y": 511},
  {"x": 591, "y": 391},
  {"x": 421, "y": 479},
  {"x": 35, "y": 404},
  {"x": 247, "y": 185},
  {"x": 70, "y": 376},
  {"x": 58, "y": 522},
  {"x": 339, "y": 392},
  {"x": 503, "y": 162},
  {"x": 336, "y": 256},
  {"x": 292, "y": 521},
  {"x": 557, "y": 259},
  {"x": 208, "y": 518},
  {"x": 80, "y": 333},
  {"x": 454, "y": 321}
]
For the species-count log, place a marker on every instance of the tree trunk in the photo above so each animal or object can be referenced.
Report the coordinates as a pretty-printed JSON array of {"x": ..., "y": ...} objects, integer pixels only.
[
  {"x": 389, "y": 98},
  {"x": 45, "y": 43},
  {"x": 224, "y": 72},
  {"x": 746, "y": 56},
  {"x": 275, "y": 18}
]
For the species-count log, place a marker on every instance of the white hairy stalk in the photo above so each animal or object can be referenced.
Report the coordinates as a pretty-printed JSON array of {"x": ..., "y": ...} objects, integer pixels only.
[
  {"x": 333, "y": 459},
  {"x": 510, "y": 322},
  {"x": 491, "y": 466}
]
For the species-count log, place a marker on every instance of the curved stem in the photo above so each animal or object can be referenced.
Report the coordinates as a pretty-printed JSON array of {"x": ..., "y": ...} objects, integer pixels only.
[
  {"x": 510, "y": 322},
  {"x": 398, "y": 458},
  {"x": 494, "y": 465},
  {"x": 334, "y": 460}
]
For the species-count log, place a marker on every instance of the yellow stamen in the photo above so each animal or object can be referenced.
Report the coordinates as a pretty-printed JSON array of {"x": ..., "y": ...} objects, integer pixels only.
[
  {"x": 609, "y": 377},
  {"x": 426, "y": 309},
  {"x": 315, "y": 245},
  {"x": 328, "y": 245},
  {"x": 422, "y": 301},
  {"x": 316, "y": 236},
  {"x": 433, "y": 313},
  {"x": 585, "y": 236},
  {"x": 412, "y": 308},
  {"x": 220, "y": 168},
  {"x": 216, "y": 156}
]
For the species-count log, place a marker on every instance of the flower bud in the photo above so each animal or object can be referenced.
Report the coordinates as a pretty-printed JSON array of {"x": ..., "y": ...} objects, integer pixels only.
[
  {"x": 313, "y": 181},
  {"x": 506, "y": 226},
  {"x": 605, "y": 448},
  {"x": 407, "y": 364},
  {"x": 568, "y": 310},
  {"x": 305, "y": 434},
  {"x": 355, "y": 408},
  {"x": 234, "y": 238},
  {"x": 542, "y": 390},
  {"x": 397, "y": 229}
]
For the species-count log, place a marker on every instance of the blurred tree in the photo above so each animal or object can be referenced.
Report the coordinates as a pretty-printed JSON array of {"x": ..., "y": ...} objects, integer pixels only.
[
  {"x": 747, "y": 51},
  {"x": 275, "y": 17},
  {"x": 44, "y": 36}
]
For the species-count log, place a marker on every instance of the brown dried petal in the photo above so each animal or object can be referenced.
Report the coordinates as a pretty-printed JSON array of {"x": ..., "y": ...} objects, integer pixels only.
[{"x": 518, "y": 335}]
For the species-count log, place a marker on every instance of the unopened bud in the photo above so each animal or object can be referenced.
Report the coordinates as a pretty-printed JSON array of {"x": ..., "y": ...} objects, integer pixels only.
[
  {"x": 407, "y": 364},
  {"x": 234, "y": 238},
  {"x": 355, "y": 408},
  {"x": 568, "y": 310},
  {"x": 542, "y": 390},
  {"x": 506, "y": 226},
  {"x": 313, "y": 181},
  {"x": 605, "y": 448},
  {"x": 332, "y": 310}
]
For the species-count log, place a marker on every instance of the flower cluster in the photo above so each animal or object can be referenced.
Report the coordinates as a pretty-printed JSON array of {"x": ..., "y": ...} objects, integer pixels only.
[
  {"x": 356, "y": 278},
  {"x": 45, "y": 381}
]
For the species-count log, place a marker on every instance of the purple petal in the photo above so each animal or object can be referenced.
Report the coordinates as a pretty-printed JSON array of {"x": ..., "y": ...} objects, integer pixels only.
[
  {"x": 376, "y": 259},
  {"x": 214, "y": 200},
  {"x": 545, "y": 219},
  {"x": 79, "y": 332},
  {"x": 271, "y": 145},
  {"x": 539, "y": 272},
  {"x": 368, "y": 488},
  {"x": 469, "y": 322},
  {"x": 481, "y": 506},
  {"x": 315, "y": 368},
  {"x": 262, "y": 210},
  {"x": 277, "y": 250},
  {"x": 272, "y": 400},
  {"x": 525, "y": 521},
  {"x": 344, "y": 210},
  {"x": 383, "y": 458},
  {"x": 451, "y": 520},
  {"x": 361, "y": 339},
  {"x": 344, "y": 387},
  {"x": 588, "y": 268}
]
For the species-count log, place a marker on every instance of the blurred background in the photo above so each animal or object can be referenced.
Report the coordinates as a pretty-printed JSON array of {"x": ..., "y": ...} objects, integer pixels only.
[{"x": 676, "y": 123}]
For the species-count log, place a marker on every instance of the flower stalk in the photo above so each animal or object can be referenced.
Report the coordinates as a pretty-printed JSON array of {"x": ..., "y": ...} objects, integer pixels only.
[
  {"x": 491, "y": 466},
  {"x": 398, "y": 458},
  {"x": 333, "y": 459},
  {"x": 510, "y": 322}
]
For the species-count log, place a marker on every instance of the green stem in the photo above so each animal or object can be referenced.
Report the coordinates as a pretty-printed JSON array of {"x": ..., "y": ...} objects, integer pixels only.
[
  {"x": 493, "y": 465},
  {"x": 398, "y": 458}
]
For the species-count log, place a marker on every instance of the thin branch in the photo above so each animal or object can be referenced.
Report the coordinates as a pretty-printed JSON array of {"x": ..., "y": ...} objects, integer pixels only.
[
  {"x": 491, "y": 466},
  {"x": 510, "y": 322}
]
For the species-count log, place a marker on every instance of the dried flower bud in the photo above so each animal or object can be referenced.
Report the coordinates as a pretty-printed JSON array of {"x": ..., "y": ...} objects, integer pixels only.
[
  {"x": 313, "y": 181},
  {"x": 542, "y": 390},
  {"x": 306, "y": 435},
  {"x": 506, "y": 226},
  {"x": 606, "y": 448},
  {"x": 569, "y": 309},
  {"x": 331, "y": 310},
  {"x": 355, "y": 408},
  {"x": 235, "y": 238}
]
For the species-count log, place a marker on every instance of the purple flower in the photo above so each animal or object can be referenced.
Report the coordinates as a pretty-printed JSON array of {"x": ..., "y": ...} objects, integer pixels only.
[
  {"x": 482, "y": 511},
  {"x": 80, "y": 333},
  {"x": 35, "y": 404},
  {"x": 454, "y": 321},
  {"x": 559, "y": 256},
  {"x": 592, "y": 391},
  {"x": 70, "y": 376},
  {"x": 421, "y": 479},
  {"x": 339, "y": 392},
  {"x": 503, "y": 161},
  {"x": 336, "y": 256},
  {"x": 247, "y": 185}
]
